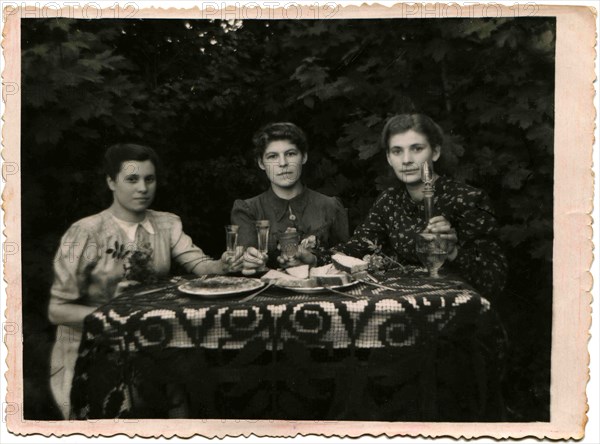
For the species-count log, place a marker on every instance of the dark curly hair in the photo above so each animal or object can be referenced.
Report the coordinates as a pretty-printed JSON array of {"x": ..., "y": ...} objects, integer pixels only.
[
  {"x": 279, "y": 131},
  {"x": 121, "y": 152}
]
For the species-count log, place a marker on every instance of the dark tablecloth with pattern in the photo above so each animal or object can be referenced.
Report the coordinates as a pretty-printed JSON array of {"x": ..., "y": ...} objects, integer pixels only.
[{"x": 431, "y": 350}]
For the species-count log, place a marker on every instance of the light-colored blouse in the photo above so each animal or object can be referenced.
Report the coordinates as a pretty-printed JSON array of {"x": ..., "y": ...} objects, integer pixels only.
[
  {"x": 92, "y": 259},
  {"x": 93, "y": 253}
]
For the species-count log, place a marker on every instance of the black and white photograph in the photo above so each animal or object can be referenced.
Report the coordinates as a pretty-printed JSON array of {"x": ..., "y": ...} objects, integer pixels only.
[{"x": 315, "y": 219}]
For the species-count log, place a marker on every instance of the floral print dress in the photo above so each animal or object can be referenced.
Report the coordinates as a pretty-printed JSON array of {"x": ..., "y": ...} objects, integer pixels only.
[{"x": 395, "y": 218}]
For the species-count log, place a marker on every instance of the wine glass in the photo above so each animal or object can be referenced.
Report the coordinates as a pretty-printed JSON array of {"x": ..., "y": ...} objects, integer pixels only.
[
  {"x": 262, "y": 231},
  {"x": 231, "y": 233},
  {"x": 432, "y": 250},
  {"x": 288, "y": 242}
]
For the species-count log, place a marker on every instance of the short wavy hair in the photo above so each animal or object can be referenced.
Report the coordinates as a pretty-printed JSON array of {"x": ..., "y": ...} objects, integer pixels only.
[
  {"x": 115, "y": 155},
  {"x": 417, "y": 122},
  {"x": 279, "y": 131}
]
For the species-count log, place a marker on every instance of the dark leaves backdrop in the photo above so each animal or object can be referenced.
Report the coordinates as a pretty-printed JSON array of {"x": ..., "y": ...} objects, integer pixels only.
[{"x": 196, "y": 90}]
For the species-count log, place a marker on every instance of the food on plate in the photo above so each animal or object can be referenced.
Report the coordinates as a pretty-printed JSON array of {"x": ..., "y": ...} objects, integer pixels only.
[
  {"x": 329, "y": 275},
  {"x": 301, "y": 271},
  {"x": 219, "y": 285},
  {"x": 324, "y": 270},
  {"x": 348, "y": 264},
  {"x": 286, "y": 280},
  {"x": 304, "y": 277},
  {"x": 333, "y": 279},
  {"x": 360, "y": 275}
]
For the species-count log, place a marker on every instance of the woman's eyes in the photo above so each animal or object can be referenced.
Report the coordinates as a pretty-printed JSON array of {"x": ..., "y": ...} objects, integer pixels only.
[
  {"x": 414, "y": 149},
  {"x": 135, "y": 179},
  {"x": 274, "y": 157}
]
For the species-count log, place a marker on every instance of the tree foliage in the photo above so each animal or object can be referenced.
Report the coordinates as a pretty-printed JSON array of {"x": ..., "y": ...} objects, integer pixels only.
[{"x": 196, "y": 90}]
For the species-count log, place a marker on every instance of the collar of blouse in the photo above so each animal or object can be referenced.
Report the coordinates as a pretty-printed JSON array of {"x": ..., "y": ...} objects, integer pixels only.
[{"x": 281, "y": 207}]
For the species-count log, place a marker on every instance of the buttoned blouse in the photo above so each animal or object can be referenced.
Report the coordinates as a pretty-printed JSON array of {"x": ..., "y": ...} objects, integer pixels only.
[{"x": 311, "y": 213}]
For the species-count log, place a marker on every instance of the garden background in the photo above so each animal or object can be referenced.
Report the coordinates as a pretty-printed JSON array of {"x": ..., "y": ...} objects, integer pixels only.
[{"x": 196, "y": 90}]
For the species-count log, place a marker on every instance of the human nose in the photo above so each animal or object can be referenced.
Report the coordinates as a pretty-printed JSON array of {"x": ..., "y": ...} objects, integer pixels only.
[
  {"x": 407, "y": 158},
  {"x": 282, "y": 160},
  {"x": 141, "y": 186}
]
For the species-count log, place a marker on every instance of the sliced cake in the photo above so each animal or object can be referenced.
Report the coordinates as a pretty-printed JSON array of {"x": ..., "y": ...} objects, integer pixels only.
[
  {"x": 301, "y": 271},
  {"x": 348, "y": 264},
  {"x": 286, "y": 280}
]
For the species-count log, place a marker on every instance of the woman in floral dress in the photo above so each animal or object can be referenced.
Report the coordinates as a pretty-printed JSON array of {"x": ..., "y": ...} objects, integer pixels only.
[
  {"x": 103, "y": 253},
  {"x": 462, "y": 213}
]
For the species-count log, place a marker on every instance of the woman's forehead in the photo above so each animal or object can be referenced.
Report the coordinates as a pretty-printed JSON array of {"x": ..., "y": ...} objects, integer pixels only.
[
  {"x": 278, "y": 146},
  {"x": 409, "y": 137},
  {"x": 139, "y": 167}
]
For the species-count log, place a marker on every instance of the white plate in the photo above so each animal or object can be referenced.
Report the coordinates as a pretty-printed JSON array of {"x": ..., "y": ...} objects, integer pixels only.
[
  {"x": 317, "y": 289},
  {"x": 218, "y": 286}
]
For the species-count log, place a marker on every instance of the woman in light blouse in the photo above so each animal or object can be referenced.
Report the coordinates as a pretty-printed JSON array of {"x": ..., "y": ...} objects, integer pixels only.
[{"x": 100, "y": 254}]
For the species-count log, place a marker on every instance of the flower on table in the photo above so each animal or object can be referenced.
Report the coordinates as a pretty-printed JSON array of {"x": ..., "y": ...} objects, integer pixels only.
[
  {"x": 378, "y": 260},
  {"x": 309, "y": 242}
]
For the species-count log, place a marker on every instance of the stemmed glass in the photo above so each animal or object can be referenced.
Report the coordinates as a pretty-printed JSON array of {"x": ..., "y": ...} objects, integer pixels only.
[
  {"x": 432, "y": 250},
  {"x": 262, "y": 231}
]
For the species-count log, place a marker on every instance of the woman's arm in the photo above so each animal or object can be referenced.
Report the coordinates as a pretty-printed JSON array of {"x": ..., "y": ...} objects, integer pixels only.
[
  {"x": 73, "y": 262},
  {"x": 338, "y": 233},
  {"x": 68, "y": 313},
  {"x": 479, "y": 257},
  {"x": 373, "y": 231},
  {"x": 193, "y": 259}
]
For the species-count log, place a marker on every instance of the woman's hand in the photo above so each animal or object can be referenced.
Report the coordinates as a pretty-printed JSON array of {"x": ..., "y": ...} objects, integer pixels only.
[
  {"x": 232, "y": 262},
  {"x": 302, "y": 256},
  {"x": 253, "y": 260},
  {"x": 440, "y": 225}
]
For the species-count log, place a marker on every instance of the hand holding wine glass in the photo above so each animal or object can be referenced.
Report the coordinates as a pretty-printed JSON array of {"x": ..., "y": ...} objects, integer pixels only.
[
  {"x": 438, "y": 240},
  {"x": 253, "y": 261},
  {"x": 436, "y": 244},
  {"x": 441, "y": 227}
]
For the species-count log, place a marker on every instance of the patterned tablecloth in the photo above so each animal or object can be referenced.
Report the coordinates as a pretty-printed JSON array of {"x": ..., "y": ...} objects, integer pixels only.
[{"x": 430, "y": 350}]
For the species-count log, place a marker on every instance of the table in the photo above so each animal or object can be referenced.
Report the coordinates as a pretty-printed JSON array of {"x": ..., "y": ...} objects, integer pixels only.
[{"x": 430, "y": 351}]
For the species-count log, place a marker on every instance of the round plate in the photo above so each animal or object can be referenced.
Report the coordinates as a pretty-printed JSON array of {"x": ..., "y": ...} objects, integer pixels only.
[
  {"x": 218, "y": 286},
  {"x": 317, "y": 289}
]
